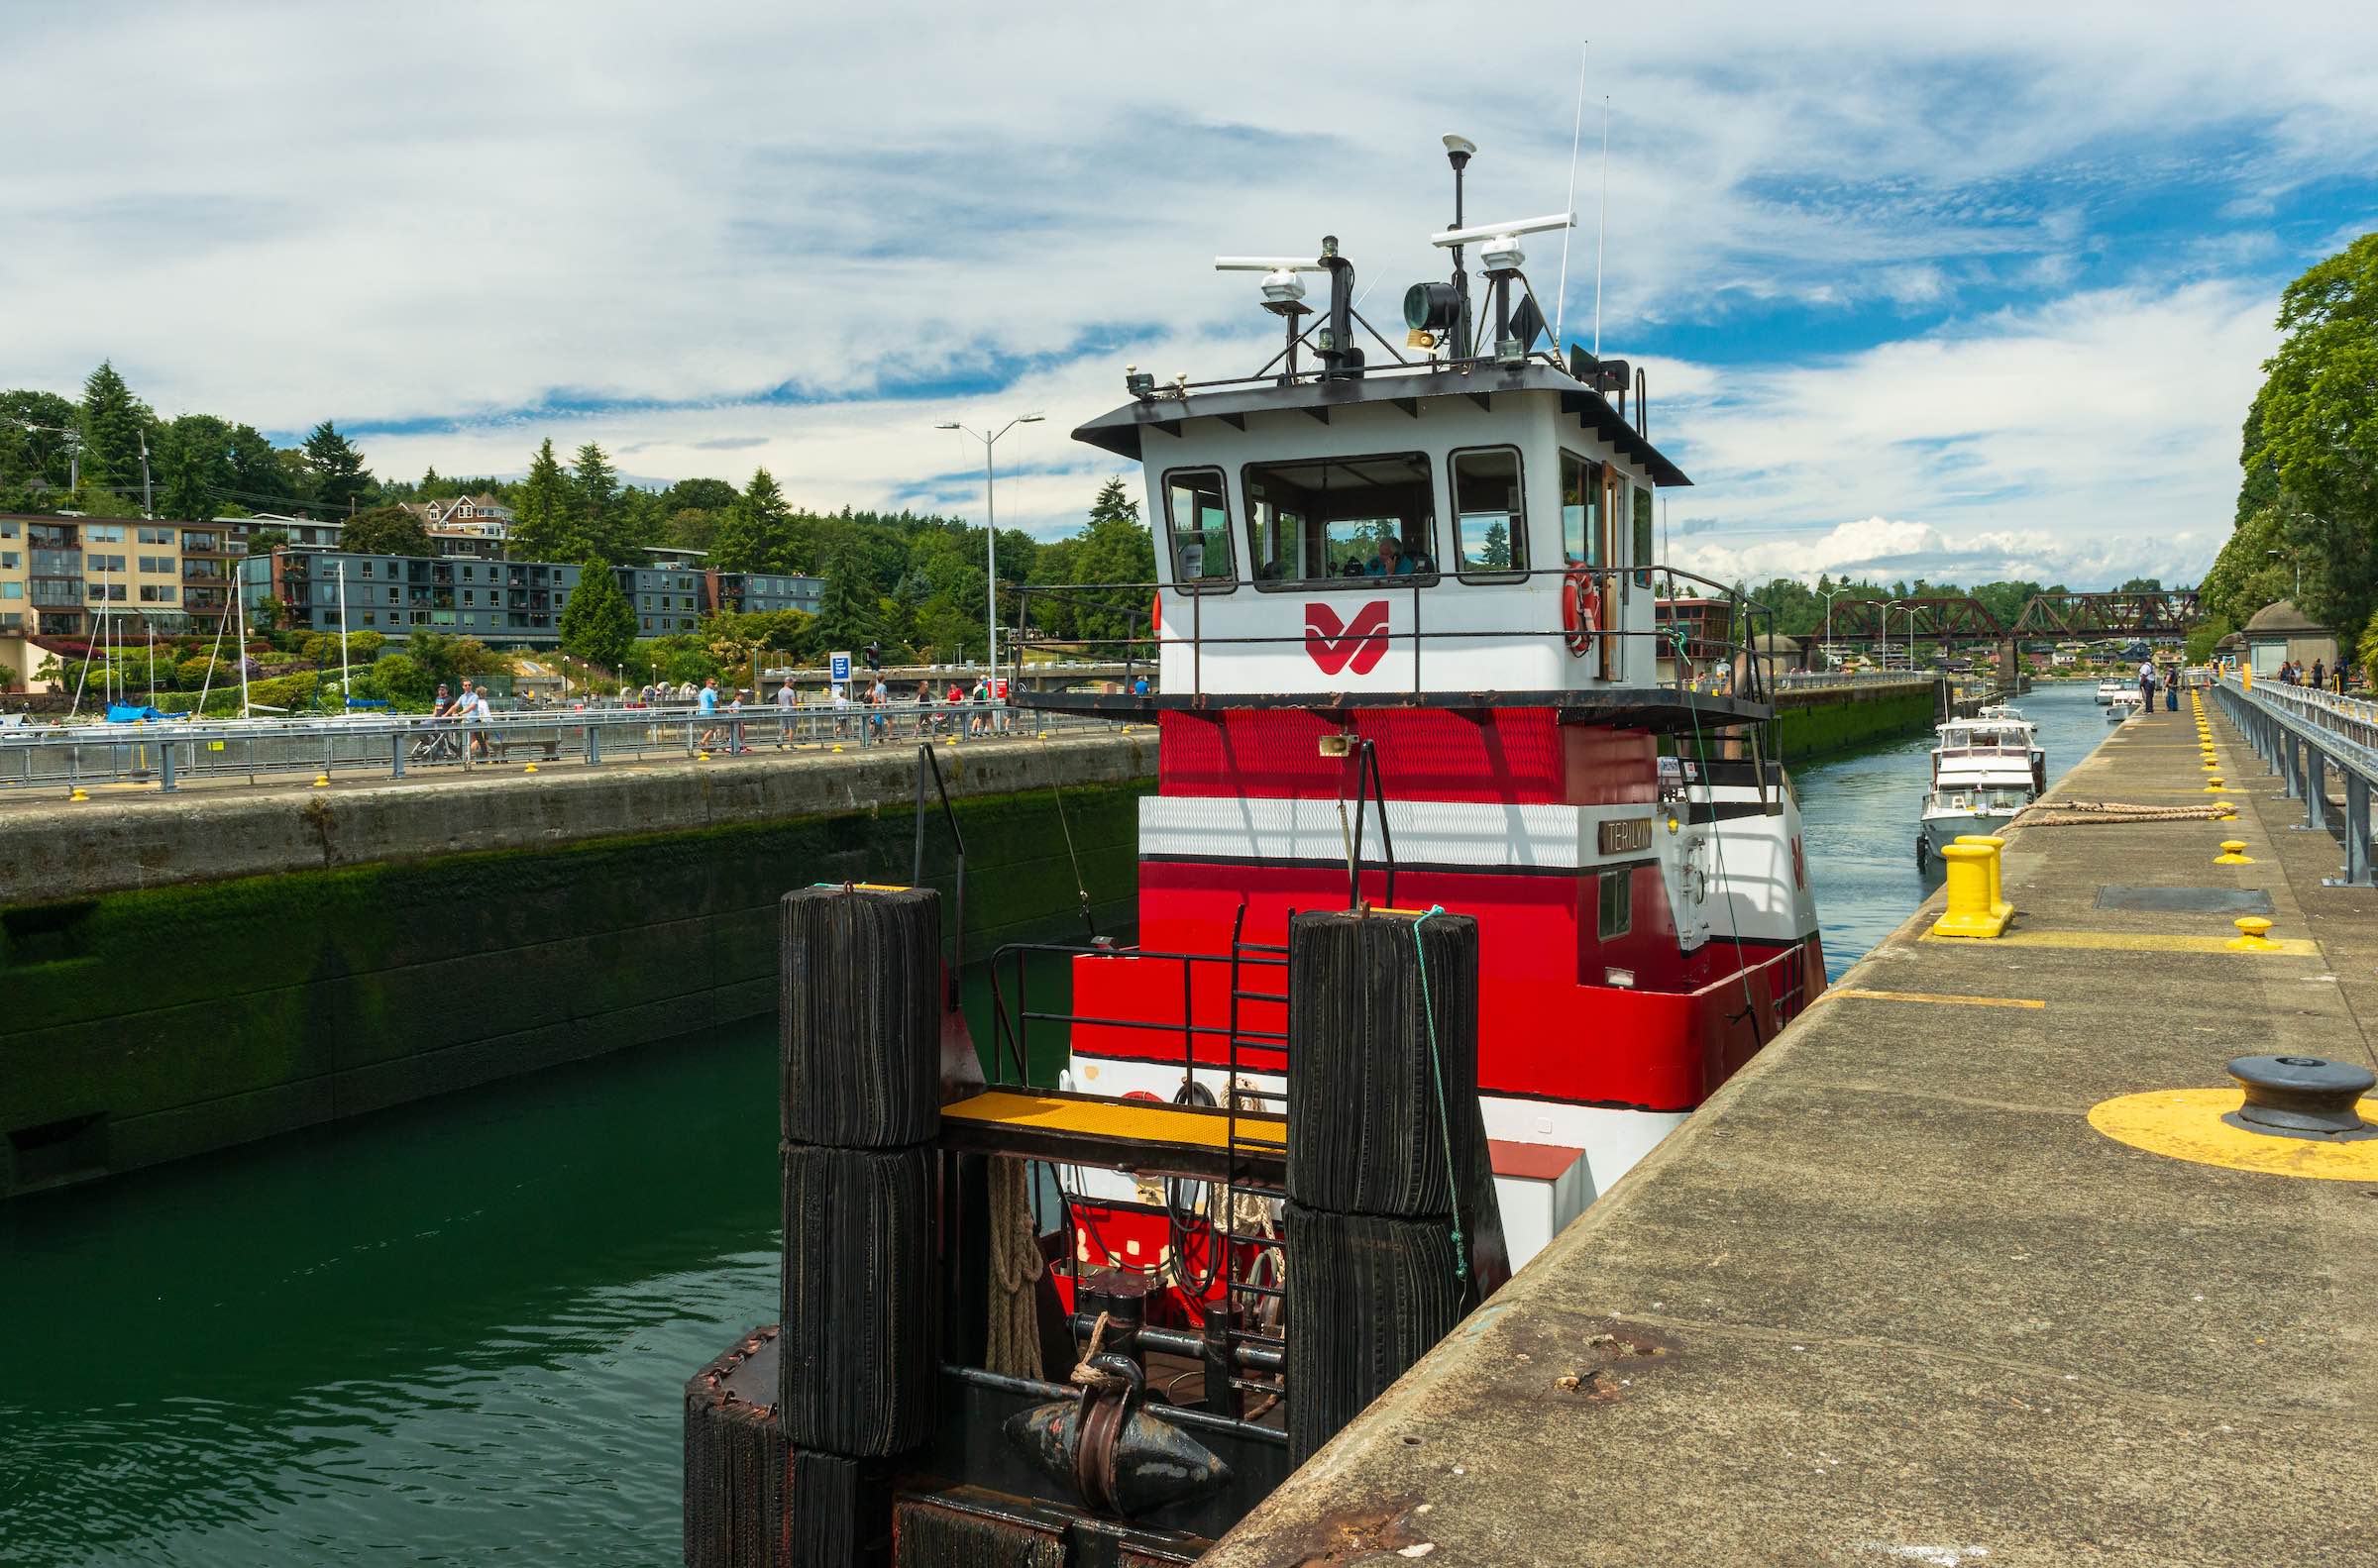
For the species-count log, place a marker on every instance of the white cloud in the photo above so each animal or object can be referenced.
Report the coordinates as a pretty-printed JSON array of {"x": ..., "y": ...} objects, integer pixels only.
[
  {"x": 1886, "y": 550},
  {"x": 440, "y": 210},
  {"x": 2093, "y": 438}
]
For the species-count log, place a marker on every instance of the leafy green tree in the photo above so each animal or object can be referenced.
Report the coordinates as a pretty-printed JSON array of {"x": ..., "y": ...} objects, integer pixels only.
[
  {"x": 598, "y": 623},
  {"x": 1113, "y": 549},
  {"x": 755, "y": 535},
  {"x": 542, "y": 527},
  {"x": 113, "y": 422},
  {"x": 700, "y": 495},
  {"x": 2313, "y": 433},
  {"x": 263, "y": 541},
  {"x": 340, "y": 478},
  {"x": 193, "y": 467},
  {"x": 387, "y": 531},
  {"x": 692, "y": 527},
  {"x": 34, "y": 431}
]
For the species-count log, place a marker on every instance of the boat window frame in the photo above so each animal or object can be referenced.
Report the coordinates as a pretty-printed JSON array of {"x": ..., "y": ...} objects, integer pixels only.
[
  {"x": 1418, "y": 580},
  {"x": 1624, "y": 872},
  {"x": 1492, "y": 577},
  {"x": 1228, "y": 584},
  {"x": 1593, "y": 489}
]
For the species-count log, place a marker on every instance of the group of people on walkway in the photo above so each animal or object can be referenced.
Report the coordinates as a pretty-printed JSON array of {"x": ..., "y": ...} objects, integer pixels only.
[
  {"x": 452, "y": 719},
  {"x": 2320, "y": 678}
]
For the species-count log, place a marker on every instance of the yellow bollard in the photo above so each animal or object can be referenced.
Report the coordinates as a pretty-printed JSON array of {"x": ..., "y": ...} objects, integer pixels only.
[
  {"x": 321, "y": 781},
  {"x": 2227, "y": 809},
  {"x": 77, "y": 795},
  {"x": 1997, "y": 885},
  {"x": 2213, "y": 785},
  {"x": 530, "y": 769},
  {"x": 2251, "y": 937},
  {"x": 2233, "y": 853},
  {"x": 702, "y": 757},
  {"x": 837, "y": 749},
  {"x": 1970, "y": 913}
]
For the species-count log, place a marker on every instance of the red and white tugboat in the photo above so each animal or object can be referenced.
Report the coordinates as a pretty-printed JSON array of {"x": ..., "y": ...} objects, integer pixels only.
[{"x": 1407, "y": 651}]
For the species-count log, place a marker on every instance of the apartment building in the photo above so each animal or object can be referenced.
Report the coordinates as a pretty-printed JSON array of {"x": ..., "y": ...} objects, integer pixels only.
[{"x": 508, "y": 603}]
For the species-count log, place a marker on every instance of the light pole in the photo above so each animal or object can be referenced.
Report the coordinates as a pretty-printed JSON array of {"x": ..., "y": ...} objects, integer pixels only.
[
  {"x": 991, "y": 530},
  {"x": 1897, "y": 604},
  {"x": 1829, "y": 596}
]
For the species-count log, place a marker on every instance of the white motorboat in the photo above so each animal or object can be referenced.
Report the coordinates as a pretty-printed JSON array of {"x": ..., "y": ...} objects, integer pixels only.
[
  {"x": 1985, "y": 769},
  {"x": 2108, "y": 690},
  {"x": 2127, "y": 705}
]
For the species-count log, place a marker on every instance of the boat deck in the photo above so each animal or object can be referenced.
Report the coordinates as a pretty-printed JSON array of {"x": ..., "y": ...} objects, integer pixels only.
[{"x": 1891, "y": 1298}]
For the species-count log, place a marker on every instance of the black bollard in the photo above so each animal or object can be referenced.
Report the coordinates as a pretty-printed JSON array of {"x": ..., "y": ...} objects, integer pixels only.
[
  {"x": 791, "y": 1438},
  {"x": 860, "y": 1017},
  {"x": 1393, "y": 1230}
]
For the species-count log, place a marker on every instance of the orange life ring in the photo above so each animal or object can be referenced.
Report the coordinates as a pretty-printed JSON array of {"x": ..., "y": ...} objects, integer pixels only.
[
  {"x": 1155, "y": 616},
  {"x": 1581, "y": 611}
]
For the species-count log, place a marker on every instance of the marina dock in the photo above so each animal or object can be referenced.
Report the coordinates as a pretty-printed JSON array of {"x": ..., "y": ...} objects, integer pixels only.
[{"x": 1890, "y": 1297}]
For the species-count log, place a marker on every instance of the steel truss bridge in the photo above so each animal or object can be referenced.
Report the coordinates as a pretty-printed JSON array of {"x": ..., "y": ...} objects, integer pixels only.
[{"x": 2170, "y": 612}]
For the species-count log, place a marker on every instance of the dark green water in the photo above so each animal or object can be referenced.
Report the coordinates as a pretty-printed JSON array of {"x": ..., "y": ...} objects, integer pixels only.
[{"x": 457, "y": 1332}]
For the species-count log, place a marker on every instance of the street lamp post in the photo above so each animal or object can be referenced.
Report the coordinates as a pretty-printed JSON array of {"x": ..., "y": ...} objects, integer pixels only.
[
  {"x": 1829, "y": 595},
  {"x": 1898, "y": 604},
  {"x": 991, "y": 530}
]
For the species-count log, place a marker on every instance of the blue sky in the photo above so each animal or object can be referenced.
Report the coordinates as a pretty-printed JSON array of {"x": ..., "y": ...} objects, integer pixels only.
[{"x": 1960, "y": 294}]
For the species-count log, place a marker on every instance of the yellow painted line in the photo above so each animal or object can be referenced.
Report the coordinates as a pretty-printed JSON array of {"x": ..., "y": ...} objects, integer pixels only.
[
  {"x": 2187, "y": 1124},
  {"x": 1926, "y": 995},
  {"x": 2132, "y": 942},
  {"x": 1138, "y": 1120}
]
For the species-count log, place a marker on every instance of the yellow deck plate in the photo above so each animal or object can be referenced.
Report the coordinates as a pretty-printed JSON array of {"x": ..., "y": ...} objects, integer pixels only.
[
  {"x": 2136, "y": 942},
  {"x": 2187, "y": 1124},
  {"x": 1137, "y": 1121}
]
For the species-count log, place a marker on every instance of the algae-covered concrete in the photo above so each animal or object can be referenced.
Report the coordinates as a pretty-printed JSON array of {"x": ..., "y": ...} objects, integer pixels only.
[
  {"x": 1812, "y": 721},
  {"x": 183, "y": 975},
  {"x": 1891, "y": 1298}
]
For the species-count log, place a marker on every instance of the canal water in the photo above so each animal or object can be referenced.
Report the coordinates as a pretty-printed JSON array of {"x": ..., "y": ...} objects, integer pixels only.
[{"x": 456, "y": 1333}]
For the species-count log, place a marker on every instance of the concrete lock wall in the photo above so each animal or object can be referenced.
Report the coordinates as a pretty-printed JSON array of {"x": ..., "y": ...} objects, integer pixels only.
[
  {"x": 187, "y": 974},
  {"x": 1824, "y": 719}
]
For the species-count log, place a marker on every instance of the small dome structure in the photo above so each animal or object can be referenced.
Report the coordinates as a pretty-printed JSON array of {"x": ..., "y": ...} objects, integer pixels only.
[{"x": 2282, "y": 619}]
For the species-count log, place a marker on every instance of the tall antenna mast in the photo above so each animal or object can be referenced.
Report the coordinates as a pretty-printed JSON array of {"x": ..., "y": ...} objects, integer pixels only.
[
  {"x": 1599, "y": 225},
  {"x": 1575, "y": 127}
]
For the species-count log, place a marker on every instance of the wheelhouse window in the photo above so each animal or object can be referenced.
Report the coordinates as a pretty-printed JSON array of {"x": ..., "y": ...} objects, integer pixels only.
[
  {"x": 1196, "y": 515},
  {"x": 1341, "y": 517},
  {"x": 1490, "y": 519},
  {"x": 1643, "y": 525},
  {"x": 1580, "y": 511}
]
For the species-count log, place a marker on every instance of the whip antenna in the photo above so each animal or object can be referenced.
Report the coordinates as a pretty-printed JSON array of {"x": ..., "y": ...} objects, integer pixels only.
[
  {"x": 1600, "y": 224},
  {"x": 1576, "y": 127}
]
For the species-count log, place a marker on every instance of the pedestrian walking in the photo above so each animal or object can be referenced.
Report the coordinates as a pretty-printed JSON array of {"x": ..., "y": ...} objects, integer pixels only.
[
  {"x": 2146, "y": 684},
  {"x": 2320, "y": 675},
  {"x": 706, "y": 704}
]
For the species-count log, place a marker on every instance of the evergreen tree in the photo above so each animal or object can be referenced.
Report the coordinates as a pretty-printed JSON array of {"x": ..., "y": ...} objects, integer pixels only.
[
  {"x": 598, "y": 623},
  {"x": 339, "y": 475},
  {"x": 112, "y": 423},
  {"x": 541, "y": 524},
  {"x": 845, "y": 611},
  {"x": 755, "y": 535},
  {"x": 596, "y": 484},
  {"x": 1115, "y": 549}
]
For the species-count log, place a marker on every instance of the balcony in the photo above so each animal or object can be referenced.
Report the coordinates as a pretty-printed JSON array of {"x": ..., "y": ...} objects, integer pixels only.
[{"x": 56, "y": 592}]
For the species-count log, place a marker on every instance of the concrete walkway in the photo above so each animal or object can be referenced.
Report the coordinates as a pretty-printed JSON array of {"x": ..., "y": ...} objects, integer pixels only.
[{"x": 1890, "y": 1298}]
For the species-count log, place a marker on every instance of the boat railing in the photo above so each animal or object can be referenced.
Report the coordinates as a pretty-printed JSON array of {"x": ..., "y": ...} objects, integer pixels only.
[
  {"x": 1209, "y": 1247},
  {"x": 1125, "y": 623}
]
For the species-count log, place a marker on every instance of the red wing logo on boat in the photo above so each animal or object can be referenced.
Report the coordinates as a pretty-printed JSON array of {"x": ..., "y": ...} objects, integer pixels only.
[{"x": 1358, "y": 644}]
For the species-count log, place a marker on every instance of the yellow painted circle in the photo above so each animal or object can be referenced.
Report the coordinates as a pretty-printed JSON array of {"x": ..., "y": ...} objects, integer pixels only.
[{"x": 2187, "y": 1124}]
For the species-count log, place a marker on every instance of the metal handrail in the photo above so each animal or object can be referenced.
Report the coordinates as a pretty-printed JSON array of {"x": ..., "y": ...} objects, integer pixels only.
[
  {"x": 167, "y": 753},
  {"x": 2300, "y": 733}
]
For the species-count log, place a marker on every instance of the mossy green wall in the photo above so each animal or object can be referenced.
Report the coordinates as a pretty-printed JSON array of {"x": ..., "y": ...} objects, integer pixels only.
[
  {"x": 195, "y": 1017},
  {"x": 1831, "y": 721}
]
